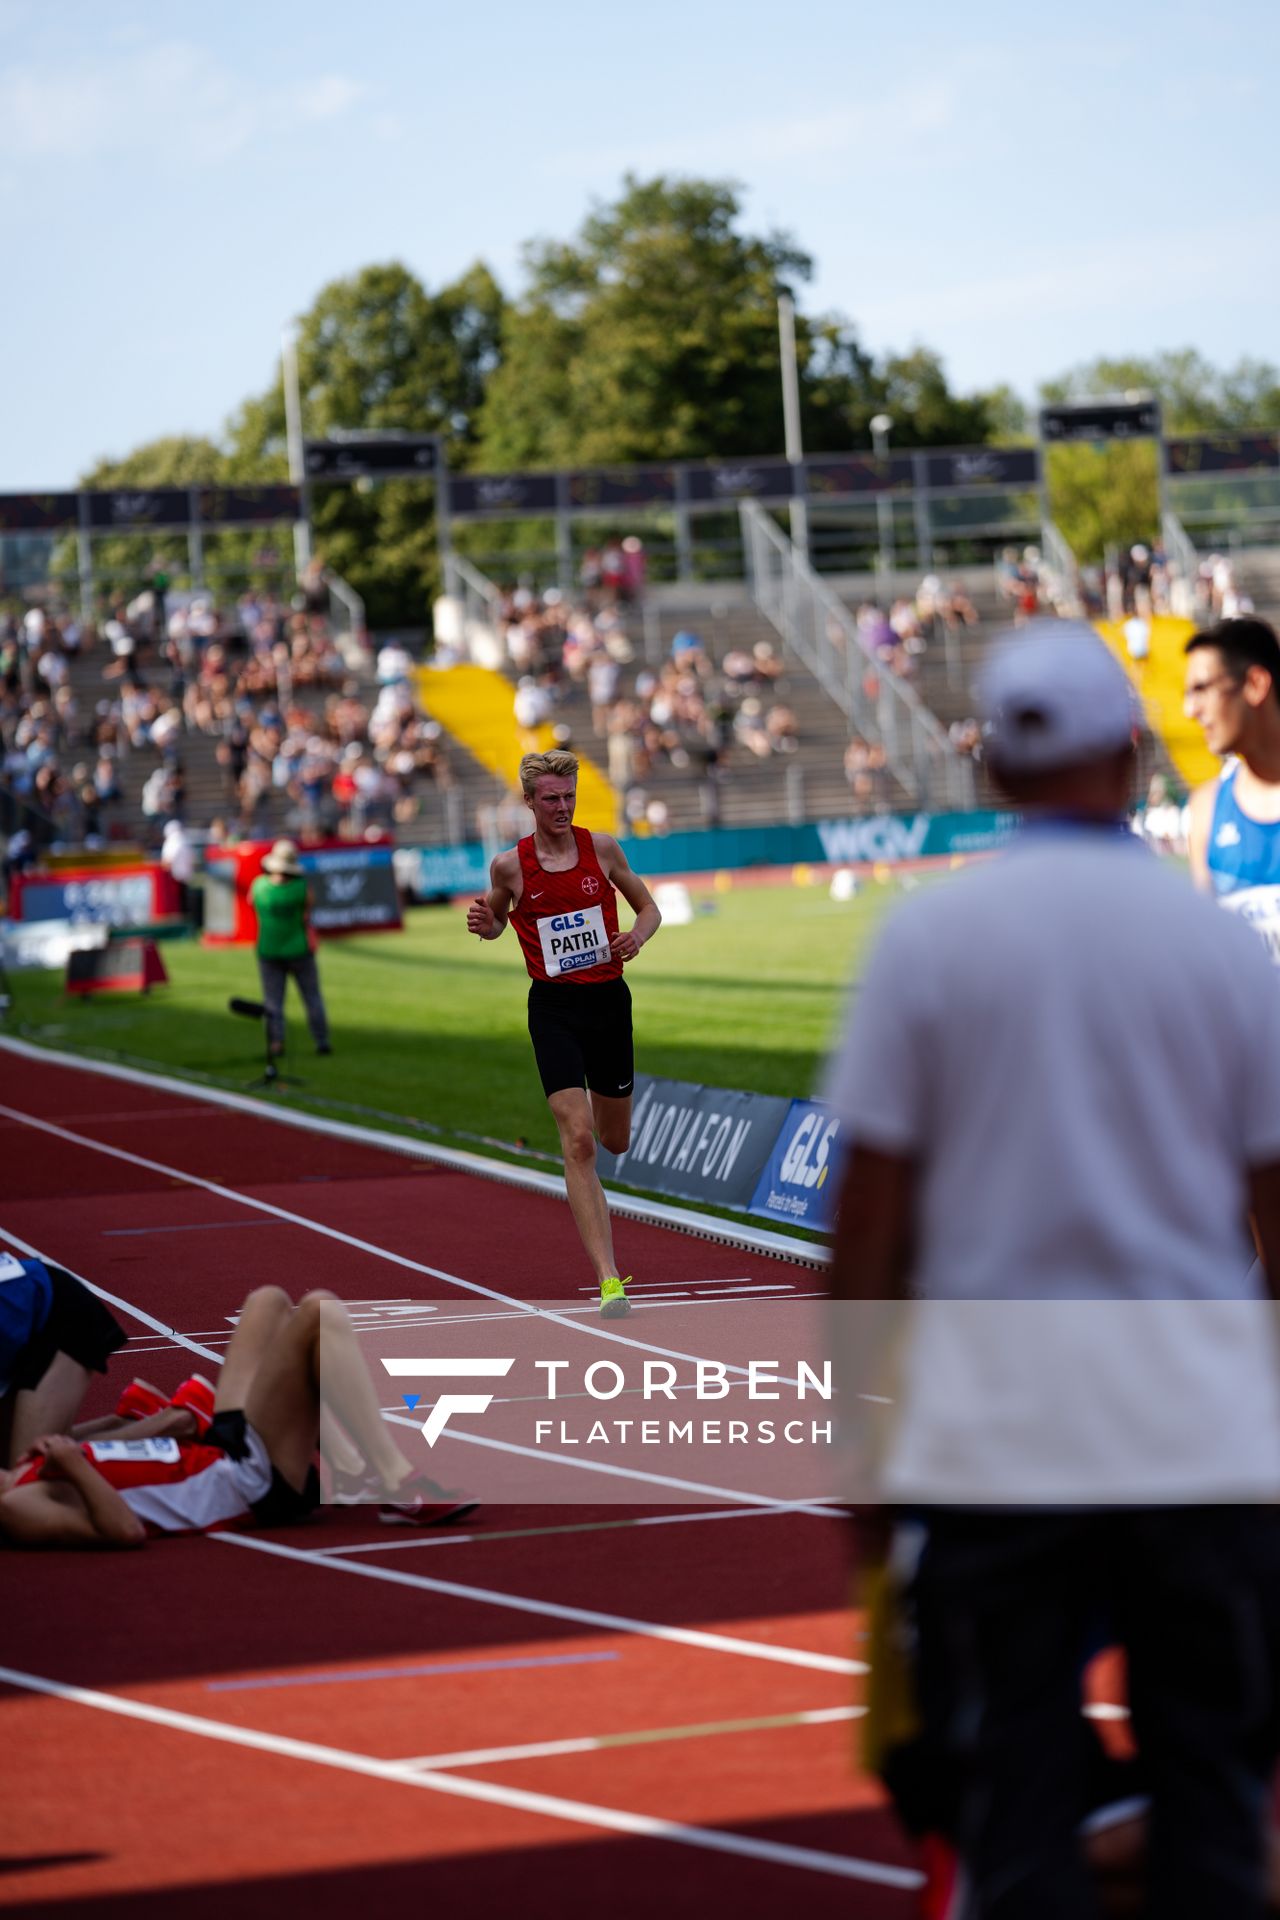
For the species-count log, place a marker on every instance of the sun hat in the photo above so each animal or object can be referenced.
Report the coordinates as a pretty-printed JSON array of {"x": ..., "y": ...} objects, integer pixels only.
[{"x": 283, "y": 858}]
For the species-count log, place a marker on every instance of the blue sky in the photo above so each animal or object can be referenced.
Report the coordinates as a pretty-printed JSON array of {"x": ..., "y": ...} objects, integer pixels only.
[{"x": 1019, "y": 188}]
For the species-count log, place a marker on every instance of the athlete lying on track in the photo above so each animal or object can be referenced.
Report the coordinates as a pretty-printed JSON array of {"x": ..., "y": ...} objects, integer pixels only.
[{"x": 255, "y": 1463}]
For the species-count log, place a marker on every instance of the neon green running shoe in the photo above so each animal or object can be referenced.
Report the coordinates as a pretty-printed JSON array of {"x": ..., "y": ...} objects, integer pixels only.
[{"x": 613, "y": 1298}]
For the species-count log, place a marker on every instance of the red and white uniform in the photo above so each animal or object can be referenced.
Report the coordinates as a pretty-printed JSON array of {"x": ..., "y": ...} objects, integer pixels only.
[
  {"x": 175, "y": 1487},
  {"x": 565, "y": 921}
]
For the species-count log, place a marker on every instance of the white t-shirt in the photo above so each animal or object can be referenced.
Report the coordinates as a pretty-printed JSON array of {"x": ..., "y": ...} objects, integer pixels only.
[{"x": 1082, "y": 1057}]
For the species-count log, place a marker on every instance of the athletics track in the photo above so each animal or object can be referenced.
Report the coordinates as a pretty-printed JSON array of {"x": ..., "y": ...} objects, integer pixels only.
[{"x": 647, "y": 1710}]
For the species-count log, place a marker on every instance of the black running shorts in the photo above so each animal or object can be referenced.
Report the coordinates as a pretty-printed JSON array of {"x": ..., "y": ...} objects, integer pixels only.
[
  {"x": 78, "y": 1325},
  {"x": 582, "y": 1034}
]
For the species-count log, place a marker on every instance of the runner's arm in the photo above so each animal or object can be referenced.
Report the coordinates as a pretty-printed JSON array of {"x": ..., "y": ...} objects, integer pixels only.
[
  {"x": 488, "y": 913},
  {"x": 617, "y": 870},
  {"x": 35, "y": 1516},
  {"x": 1199, "y": 824}
]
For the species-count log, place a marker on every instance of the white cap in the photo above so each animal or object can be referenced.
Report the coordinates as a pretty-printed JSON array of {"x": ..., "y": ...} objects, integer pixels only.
[{"x": 1054, "y": 695}]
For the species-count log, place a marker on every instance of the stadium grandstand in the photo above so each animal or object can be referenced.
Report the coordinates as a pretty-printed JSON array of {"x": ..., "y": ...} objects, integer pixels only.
[{"x": 797, "y": 682}]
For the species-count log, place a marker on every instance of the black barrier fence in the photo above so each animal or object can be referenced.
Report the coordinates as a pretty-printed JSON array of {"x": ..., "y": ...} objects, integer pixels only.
[{"x": 855, "y": 503}]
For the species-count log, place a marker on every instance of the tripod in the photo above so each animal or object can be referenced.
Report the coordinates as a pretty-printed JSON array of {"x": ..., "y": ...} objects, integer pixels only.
[{"x": 271, "y": 1075}]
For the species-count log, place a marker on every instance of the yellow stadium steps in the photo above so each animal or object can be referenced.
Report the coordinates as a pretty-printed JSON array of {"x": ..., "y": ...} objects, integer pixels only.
[
  {"x": 1158, "y": 679},
  {"x": 475, "y": 706}
]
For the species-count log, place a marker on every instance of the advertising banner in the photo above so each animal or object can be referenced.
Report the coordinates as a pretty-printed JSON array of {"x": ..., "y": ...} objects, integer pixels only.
[
  {"x": 836, "y": 475},
  {"x": 114, "y": 897},
  {"x": 38, "y": 512},
  {"x": 437, "y": 873},
  {"x": 501, "y": 493},
  {"x": 141, "y": 507},
  {"x": 795, "y": 1184},
  {"x": 410, "y": 455},
  {"x": 353, "y": 889},
  {"x": 984, "y": 467},
  {"x": 634, "y": 487},
  {"x": 741, "y": 480},
  {"x": 248, "y": 506},
  {"x": 703, "y": 1143},
  {"x": 1223, "y": 453}
]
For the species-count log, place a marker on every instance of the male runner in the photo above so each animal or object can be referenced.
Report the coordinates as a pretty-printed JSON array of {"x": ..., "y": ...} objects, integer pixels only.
[
  {"x": 254, "y": 1463},
  {"x": 1232, "y": 689},
  {"x": 557, "y": 887}
]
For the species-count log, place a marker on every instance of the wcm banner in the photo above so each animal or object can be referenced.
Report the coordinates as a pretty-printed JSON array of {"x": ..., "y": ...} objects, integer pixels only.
[{"x": 701, "y": 1143}]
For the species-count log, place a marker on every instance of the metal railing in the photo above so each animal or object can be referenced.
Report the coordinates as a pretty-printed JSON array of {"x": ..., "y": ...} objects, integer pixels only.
[
  {"x": 1184, "y": 566},
  {"x": 819, "y": 628},
  {"x": 481, "y": 598},
  {"x": 1064, "y": 590},
  {"x": 346, "y": 616}
]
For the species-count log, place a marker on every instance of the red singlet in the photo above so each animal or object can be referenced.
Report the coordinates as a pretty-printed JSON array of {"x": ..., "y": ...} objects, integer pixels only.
[{"x": 565, "y": 921}]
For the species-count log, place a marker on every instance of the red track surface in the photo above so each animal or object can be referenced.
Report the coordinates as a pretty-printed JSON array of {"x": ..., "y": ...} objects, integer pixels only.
[{"x": 107, "y": 1814}]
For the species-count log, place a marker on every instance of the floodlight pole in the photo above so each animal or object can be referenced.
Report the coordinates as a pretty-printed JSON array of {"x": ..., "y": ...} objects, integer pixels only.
[
  {"x": 881, "y": 427},
  {"x": 297, "y": 456},
  {"x": 794, "y": 445}
]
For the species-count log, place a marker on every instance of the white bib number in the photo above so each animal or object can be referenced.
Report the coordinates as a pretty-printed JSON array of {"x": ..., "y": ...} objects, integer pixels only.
[
  {"x": 1260, "y": 906},
  {"x": 572, "y": 941},
  {"x": 135, "y": 1450},
  {"x": 10, "y": 1269}
]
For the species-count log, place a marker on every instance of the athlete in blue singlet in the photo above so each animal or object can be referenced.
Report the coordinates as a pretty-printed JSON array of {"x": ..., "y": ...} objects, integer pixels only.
[{"x": 1232, "y": 690}]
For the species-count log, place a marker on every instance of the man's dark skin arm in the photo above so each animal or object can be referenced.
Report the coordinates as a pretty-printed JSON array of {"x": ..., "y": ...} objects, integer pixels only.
[
  {"x": 870, "y": 1260},
  {"x": 1264, "y": 1204},
  {"x": 871, "y": 1248}
]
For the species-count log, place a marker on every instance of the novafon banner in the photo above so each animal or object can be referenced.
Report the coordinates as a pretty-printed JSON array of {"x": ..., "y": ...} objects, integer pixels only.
[
  {"x": 703, "y": 1143},
  {"x": 795, "y": 1184}
]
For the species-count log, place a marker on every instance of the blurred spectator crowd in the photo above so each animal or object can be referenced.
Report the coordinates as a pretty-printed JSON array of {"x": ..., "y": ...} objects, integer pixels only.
[
  {"x": 685, "y": 712},
  {"x": 262, "y": 681}
]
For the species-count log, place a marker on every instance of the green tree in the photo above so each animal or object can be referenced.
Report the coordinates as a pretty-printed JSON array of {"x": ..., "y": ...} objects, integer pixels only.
[
  {"x": 1109, "y": 496},
  {"x": 1194, "y": 395},
  {"x": 377, "y": 351},
  {"x": 654, "y": 336}
]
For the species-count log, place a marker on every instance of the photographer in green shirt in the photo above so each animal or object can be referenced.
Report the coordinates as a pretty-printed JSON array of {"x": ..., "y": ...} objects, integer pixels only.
[{"x": 281, "y": 898}]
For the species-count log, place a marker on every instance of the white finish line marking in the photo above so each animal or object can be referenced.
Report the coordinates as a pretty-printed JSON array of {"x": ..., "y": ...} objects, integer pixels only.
[
  {"x": 521, "y": 1307},
  {"x": 553, "y": 1806}
]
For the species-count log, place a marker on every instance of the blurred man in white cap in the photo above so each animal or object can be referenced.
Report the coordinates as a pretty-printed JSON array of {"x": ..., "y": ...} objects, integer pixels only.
[
  {"x": 281, "y": 898},
  {"x": 1061, "y": 1085}
]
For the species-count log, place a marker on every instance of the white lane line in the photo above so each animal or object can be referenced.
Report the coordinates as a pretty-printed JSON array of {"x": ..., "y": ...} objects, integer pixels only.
[
  {"x": 695, "y": 1487},
  {"x": 451, "y": 1539},
  {"x": 649, "y": 1737},
  {"x": 553, "y": 1806},
  {"x": 555, "y": 1610},
  {"x": 114, "y": 1300},
  {"x": 700, "y": 1489},
  {"x": 520, "y": 1307},
  {"x": 753, "y": 1239},
  {"x": 365, "y": 1247}
]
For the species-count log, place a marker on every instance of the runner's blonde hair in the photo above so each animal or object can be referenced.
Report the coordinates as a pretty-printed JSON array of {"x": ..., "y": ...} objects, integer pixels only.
[{"x": 535, "y": 766}]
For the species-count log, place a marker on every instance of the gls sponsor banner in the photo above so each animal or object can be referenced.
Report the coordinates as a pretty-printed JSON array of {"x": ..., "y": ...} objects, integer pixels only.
[
  {"x": 704, "y": 1143},
  {"x": 795, "y": 1185}
]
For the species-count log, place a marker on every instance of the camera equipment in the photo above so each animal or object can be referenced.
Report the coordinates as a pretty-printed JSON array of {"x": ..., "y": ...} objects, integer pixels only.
[{"x": 271, "y": 1075}]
